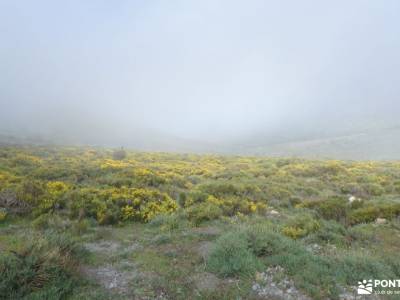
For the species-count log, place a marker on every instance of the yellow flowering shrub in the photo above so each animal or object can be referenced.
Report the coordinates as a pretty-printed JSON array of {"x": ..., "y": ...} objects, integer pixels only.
[
  {"x": 294, "y": 232},
  {"x": 3, "y": 215},
  {"x": 128, "y": 212},
  {"x": 114, "y": 164},
  {"x": 300, "y": 226},
  {"x": 7, "y": 180},
  {"x": 56, "y": 188},
  {"x": 87, "y": 182},
  {"x": 144, "y": 205},
  {"x": 51, "y": 195}
]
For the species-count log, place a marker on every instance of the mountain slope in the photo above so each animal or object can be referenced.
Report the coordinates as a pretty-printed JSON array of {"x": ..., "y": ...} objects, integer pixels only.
[{"x": 382, "y": 144}]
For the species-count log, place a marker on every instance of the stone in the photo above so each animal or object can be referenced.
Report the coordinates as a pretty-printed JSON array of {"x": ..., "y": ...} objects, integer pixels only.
[
  {"x": 352, "y": 199},
  {"x": 380, "y": 221},
  {"x": 274, "y": 284}
]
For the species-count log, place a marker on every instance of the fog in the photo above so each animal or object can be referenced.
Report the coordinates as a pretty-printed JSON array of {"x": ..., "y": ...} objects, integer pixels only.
[{"x": 198, "y": 73}]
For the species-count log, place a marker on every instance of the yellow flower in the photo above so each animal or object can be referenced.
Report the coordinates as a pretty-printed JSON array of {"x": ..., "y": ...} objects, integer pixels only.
[
  {"x": 128, "y": 212},
  {"x": 3, "y": 215}
]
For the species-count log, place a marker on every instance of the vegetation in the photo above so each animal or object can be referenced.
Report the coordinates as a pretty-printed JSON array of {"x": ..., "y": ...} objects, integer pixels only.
[
  {"x": 43, "y": 268},
  {"x": 178, "y": 225}
]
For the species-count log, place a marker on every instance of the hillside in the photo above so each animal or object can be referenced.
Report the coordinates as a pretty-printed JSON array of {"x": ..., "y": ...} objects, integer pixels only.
[
  {"x": 96, "y": 223},
  {"x": 377, "y": 144},
  {"x": 365, "y": 142}
]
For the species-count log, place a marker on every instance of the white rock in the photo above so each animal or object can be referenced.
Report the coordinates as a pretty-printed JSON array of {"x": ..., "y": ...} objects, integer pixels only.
[
  {"x": 352, "y": 199},
  {"x": 380, "y": 221}
]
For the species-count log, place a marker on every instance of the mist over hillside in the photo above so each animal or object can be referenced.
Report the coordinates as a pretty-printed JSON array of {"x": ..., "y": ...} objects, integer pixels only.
[
  {"x": 376, "y": 143},
  {"x": 364, "y": 140},
  {"x": 269, "y": 78},
  {"x": 379, "y": 144}
]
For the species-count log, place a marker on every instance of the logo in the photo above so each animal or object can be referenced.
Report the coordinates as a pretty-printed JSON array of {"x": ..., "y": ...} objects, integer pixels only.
[
  {"x": 379, "y": 287},
  {"x": 364, "y": 287}
]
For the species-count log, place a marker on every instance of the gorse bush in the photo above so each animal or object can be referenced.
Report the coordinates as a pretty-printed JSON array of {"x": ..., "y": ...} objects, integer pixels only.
[
  {"x": 300, "y": 226},
  {"x": 117, "y": 186},
  {"x": 109, "y": 206},
  {"x": 43, "y": 197},
  {"x": 3, "y": 215}
]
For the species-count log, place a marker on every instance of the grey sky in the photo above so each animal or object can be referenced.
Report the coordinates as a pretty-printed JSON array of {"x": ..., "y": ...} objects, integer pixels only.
[{"x": 196, "y": 69}]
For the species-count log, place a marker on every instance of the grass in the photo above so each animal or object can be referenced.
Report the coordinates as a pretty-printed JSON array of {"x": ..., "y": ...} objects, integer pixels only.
[{"x": 43, "y": 267}]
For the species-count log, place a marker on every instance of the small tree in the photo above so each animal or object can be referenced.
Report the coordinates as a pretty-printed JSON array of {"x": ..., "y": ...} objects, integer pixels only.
[{"x": 119, "y": 154}]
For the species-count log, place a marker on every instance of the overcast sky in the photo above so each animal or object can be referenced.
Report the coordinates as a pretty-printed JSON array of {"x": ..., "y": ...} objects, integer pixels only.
[{"x": 197, "y": 69}]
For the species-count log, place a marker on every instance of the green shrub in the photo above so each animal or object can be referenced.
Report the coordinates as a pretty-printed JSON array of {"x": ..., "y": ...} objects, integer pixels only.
[
  {"x": 373, "y": 189},
  {"x": 182, "y": 198},
  {"x": 309, "y": 272},
  {"x": 353, "y": 188},
  {"x": 109, "y": 216},
  {"x": 31, "y": 192},
  {"x": 279, "y": 193},
  {"x": 300, "y": 226},
  {"x": 330, "y": 232},
  {"x": 203, "y": 212},
  {"x": 371, "y": 212},
  {"x": 393, "y": 261},
  {"x": 333, "y": 209},
  {"x": 362, "y": 233},
  {"x": 294, "y": 201},
  {"x": 358, "y": 203},
  {"x": 364, "y": 215},
  {"x": 354, "y": 267},
  {"x": 232, "y": 256},
  {"x": 195, "y": 197},
  {"x": 220, "y": 189},
  {"x": 43, "y": 269},
  {"x": 263, "y": 241},
  {"x": 390, "y": 210}
]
